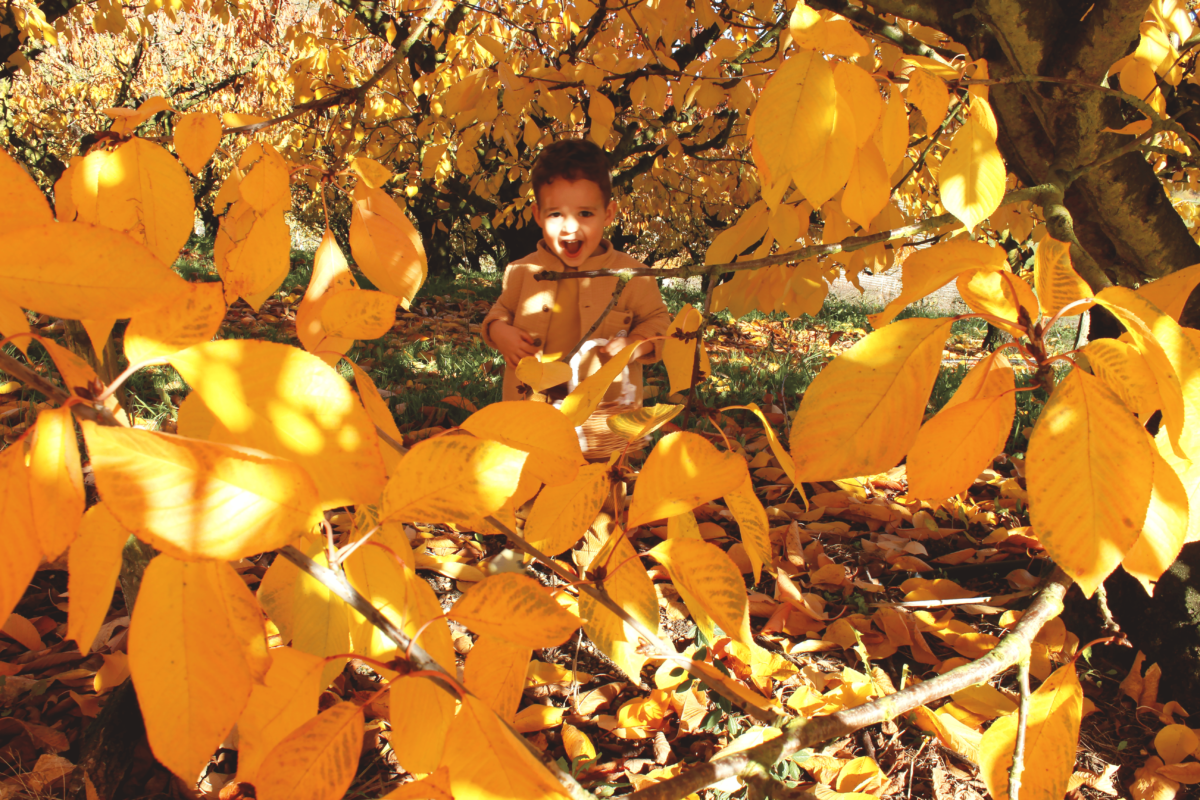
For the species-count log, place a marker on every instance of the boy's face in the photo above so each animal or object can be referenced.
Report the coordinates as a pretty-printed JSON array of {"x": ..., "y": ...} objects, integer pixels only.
[{"x": 573, "y": 216}]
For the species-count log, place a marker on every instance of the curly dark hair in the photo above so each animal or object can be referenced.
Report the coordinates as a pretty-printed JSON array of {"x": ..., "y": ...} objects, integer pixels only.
[{"x": 573, "y": 160}]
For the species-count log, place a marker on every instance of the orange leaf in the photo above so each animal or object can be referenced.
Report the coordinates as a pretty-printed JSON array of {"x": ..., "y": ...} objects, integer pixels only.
[
  {"x": 683, "y": 471},
  {"x": 489, "y": 608},
  {"x": 316, "y": 761},
  {"x": 94, "y": 563},
  {"x": 385, "y": 244}
]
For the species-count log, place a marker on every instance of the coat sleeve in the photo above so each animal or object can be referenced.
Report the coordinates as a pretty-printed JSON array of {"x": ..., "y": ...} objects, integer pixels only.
[
  {"x": 505, "y": 307},
  {"x": 650, "y": 315}
]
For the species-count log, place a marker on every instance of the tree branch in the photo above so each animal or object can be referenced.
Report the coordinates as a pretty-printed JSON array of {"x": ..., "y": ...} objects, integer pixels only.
[{"x": 802, "y": 733}]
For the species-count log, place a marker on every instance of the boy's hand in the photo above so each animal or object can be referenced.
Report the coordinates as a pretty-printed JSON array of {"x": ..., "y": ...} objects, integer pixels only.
[
  {"x": 619, "y": 343},
  {"x": 512, "y": 342}
]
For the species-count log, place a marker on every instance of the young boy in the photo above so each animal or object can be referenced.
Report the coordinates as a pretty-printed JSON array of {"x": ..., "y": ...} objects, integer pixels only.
[{"x": 573, "y": 205}]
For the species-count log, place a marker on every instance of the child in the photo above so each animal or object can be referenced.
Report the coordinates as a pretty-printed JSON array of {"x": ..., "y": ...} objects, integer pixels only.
[{"x": 573, "y": 205}]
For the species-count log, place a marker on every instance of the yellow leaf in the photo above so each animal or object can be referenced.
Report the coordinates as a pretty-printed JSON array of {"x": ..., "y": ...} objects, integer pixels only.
[
  {"x": 1171, "y": 356},
  {"x": 12, "y": 323},
  {"x": 420, "y": 713},
  {"x": 94, "y": 563},
  {"x": 252, "y": 253},
  {"x": 1171, "y": 292},
  {"x": 867, "y": 189},
  {"x": 960, "y": 442},
  {"x": 285, "y": 700},
  {"x": 377, "y": 409},
  {"x": 187, "y": 663},
  {"x": 382, "y": 576},
  {"x": 264, "y": 185},
  {"x": 584, "y": 398},
  {"x": 315, "y": 619},
  {"x": 199, "y": 500},
  {"x": 1149, "y": 783},
  {"x": 892, "y": 136},
  {"x": 807, "y": 27},
  {"x": 683, "y": 471},
  {"x": 190, "y": 320},
  {"x": 929, "y": 94},
  {"x": 1089, "y": 471},
  {"x": 707, "y": 579},
  {"x": 22, "y": 204},
  {"x": 627, "y": 583},
  {"x": 752, "y": 521},
  {"x": 863, "y": 411},
  {"x": 385, "y": 244},
  {"x": 538, "y": 718},
  {"x": 20, "y": 552},
  {"x": 330, "y": 276},
  {"x": 1164, "y": 531},
  {"x": 489, "y": 608},
  {"x": 828, "y": 167},
  {"x": 1001, "y": 294},
  {"x": 126, "y": 120},
  {"x": 358, "y": 314},
  {"x": 1051, "y": 732},
  {"x": 55, "y": 481},
  {"x": 318, "y": 760},
  {"x": 1175, "y": 742},
  {"x": 488, "y": 762},
  {"x": 971, "y": 179},
  {"x": 577, "y": 744},
  {"x": 245, "y": 618},
  {"x": 372, "y": 173},
  {"x": 634, "y": 425},
  {"x": 1056, "y": 281},
  {"x": 139, "y": 189},
  {"x": 291, "y": 404},
  {"x": 795, "y": 115},
  {"x": 862, "y": 93},
  {"x": 234, "y": 120},
  {"x": 679, "y": 356},
  {"x": 538, "y": 429},
  {"x": 841, "y": 39},
  {"x": 72, "y": 269},
  {"x": 601, "y": 114},
  {"x": 196, "y": 138},
  {"x": 541, "y": 375},
  {"x": 1126, "y": 371},
  {"x": 561, "y": 514},
  {"x": 495, "y": 673},
  {"x": 452, "y": 479},
  {"x": 928, "y": 270},
  {"x": 782, "y": 456}
]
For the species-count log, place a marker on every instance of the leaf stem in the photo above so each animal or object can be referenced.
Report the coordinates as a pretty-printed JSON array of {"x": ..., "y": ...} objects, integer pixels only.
[{"x": 1018, "y": 763}]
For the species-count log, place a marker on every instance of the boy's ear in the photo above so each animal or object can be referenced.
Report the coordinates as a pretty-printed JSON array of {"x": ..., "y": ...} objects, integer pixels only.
[
  {"x": 610, "y": 213},
  {"x": 537, "y": 214}
]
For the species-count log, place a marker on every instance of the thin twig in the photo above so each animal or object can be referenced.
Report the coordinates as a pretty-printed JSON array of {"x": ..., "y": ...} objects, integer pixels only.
[
  {"x": 612, "y": 303},
  {"x": 921, "y": 158},
  {"x": 1018, "y": 763},
  {"x": 803, "y": 733}
]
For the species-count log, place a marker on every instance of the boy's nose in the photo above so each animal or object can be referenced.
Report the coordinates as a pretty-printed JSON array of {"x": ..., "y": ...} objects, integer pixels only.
[{"x": 570, "y": 225}]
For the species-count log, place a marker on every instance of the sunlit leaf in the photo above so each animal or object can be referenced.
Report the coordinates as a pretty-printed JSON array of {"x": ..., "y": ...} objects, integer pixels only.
[
  {"x": 561, "y": 514},
  {"x": 489, "y": 608},
  {"x": 971, "y": 179},
  {"x": 1165, "y": 529},
  {"x": 285, "y": 700},
  {"x": 199, "y": 500},
  {"x": 1126, "y": 371},
  {"x": 1002, "y": 295},
  {"x": 930, "y": 269},
  {"x": 137, "y": 188},
  {"x": 55, "y": 481},
  {"x": 196, "y": 138},
  {"x": 621, "y": 574},
  {"x": 495, "y": 673},
  {"x": 585, "y": 397},
  {"x": 372, "y": 173},
  {"x": 862, "y": 412},
  {"x": 752, "y": 521},
  {"x": 191, "y": 319},
  {"x": 20, "y": 552},
  {"x": 679, "y": 356},
  {"x": 683, "y": 471},
  {"x": 22, "y": 204},
  {"x": 385, "y": 244},
  {"x": 633, "y": 425},
  {"x": 358, "y": 314},
  {"x": 318, "y": 760},
  {"x": 541, "y": 375},
  {"x": 1056, "y": 281},
  {"x": 862, "y": 93},
  {"x": 1051, "y": 731},
  {"x": 188, "y": 666},
  {"x": 1089, "y": 472},
  {"x": 535, "y": 428},
  {"x": 452, "y": 479},
  {"x": 94, "y": 563},
  {"x": 331, "y": 275},
  {"x": 291, "y": 404},
  {"x": 795, "y": 116},
  {"x": 706, "y": 578},
  {"x": 421, "y": 713},
  {"x": 1171, "y": 292}
]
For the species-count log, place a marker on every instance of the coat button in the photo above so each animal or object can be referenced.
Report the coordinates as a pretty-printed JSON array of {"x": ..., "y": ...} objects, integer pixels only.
[
  {"x": 546, "y": 308},
  {"x": 537, "y": 342}
]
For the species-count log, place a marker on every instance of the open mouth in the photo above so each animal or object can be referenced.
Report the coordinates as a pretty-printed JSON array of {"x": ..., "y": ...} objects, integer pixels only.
[{"x": 572, "y": 248}]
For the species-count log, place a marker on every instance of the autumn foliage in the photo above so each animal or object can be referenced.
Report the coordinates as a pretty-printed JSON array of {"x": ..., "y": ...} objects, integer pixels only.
[{"x": 881, "y": 138}]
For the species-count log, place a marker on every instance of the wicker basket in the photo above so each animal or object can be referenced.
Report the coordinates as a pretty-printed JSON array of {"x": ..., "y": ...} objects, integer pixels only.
[{"x": 596, "y": 439}]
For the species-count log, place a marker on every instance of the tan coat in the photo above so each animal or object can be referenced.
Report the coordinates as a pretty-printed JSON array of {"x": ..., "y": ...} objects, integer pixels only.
[{"x": 526, "y": 303}]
